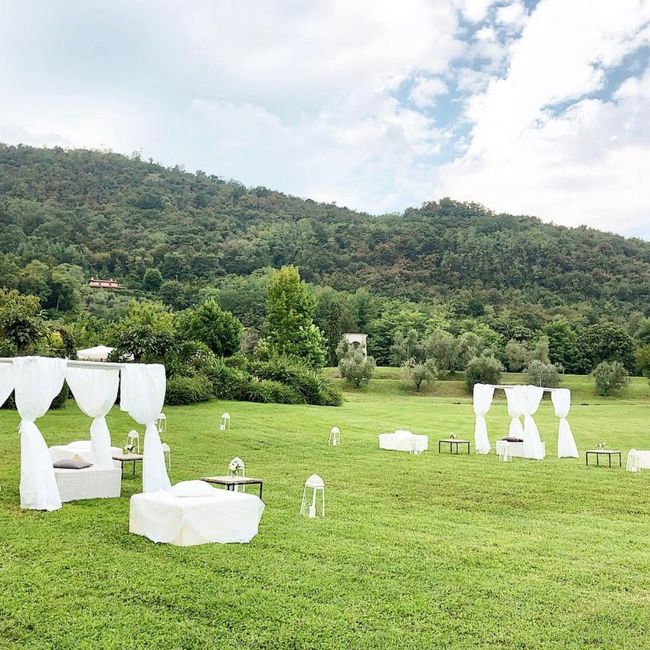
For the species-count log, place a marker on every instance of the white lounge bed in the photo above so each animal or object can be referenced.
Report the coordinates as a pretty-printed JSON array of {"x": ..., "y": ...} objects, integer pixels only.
[
  {"x": 404, "y": 441},
  {"x": 89, "y": 483},
  {"x": 224, "y": 517}
]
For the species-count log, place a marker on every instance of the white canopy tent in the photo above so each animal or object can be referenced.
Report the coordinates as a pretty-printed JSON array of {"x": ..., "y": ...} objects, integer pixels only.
[
  {"x": 38, "y": 380},
  {"x": 523, "y": 401},
  {"x": 98, "y": 353}
]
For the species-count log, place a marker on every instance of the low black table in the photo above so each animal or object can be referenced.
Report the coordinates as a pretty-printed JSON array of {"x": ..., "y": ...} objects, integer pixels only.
[
  {"x": 128, "y": 458},
  {"x": 231, "y": 481},
  {"x": 453, "y": 445},
  {"x": 603, "y": 452}
]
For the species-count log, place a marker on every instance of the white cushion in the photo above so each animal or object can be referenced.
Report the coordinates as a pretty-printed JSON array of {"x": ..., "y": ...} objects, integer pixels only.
[{"x": 192, "y": 489}]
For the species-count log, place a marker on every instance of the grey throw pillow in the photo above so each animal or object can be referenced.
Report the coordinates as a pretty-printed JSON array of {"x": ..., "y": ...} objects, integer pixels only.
[{"x": 68, "y": 463}]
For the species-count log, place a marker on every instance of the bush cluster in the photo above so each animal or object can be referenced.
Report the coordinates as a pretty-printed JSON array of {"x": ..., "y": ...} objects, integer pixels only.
[
  {"x": 278, "y": 380},
  {"x": 188, "y": 390}
]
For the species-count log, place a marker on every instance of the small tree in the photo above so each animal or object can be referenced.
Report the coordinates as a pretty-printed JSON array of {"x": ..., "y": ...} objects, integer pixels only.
[
  {"x": 543, "y": 374},
  {"x": 541, "y": 350},
  {"x": 147, "y": 332},
  {"x": 442, "y": 347},
  {"x": 215, "y": 327},
  {"x": 355, "y": 367},
  {"x": 21, "y": 324},
  {"x": 485, "y": 369},
  {"x": 517, "y": 355},
  {"x": 468, "y": 346},
  {"x": 422, "y": 373},
  {"x": 610, "y": 376},
  {"x": 289, "y": 325},
  {"x": 405, "y": 346},
  {"x": 152, "y": 280}
]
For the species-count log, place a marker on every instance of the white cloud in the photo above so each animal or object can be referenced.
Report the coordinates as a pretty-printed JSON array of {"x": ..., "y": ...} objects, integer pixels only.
[
  {"x": 576, "y": 165},
  {"x": 425, "y": 90},
  {"x": 513, "y": 15}
]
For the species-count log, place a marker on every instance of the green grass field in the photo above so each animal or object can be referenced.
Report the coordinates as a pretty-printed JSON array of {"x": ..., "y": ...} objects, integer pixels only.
[{"x": 430, "y": 551}]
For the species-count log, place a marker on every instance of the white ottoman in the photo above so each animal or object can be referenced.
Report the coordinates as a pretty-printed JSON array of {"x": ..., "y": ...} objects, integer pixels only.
[
  {"x": 404, "y": 441},
  {"x": 516, "y": 449},
  {"x": 223, "y": 517}
]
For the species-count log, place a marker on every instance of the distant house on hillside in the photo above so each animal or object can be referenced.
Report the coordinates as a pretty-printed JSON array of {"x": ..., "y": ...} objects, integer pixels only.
[
  {"x": 358, "y": 341},
  {"x": 96, "y": 283}
]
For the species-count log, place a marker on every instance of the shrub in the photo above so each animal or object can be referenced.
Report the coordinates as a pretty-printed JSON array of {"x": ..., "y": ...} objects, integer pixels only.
[
  {"x": 422, "y": 373},
  {"x": 610, "y": 376},
  {"x": 543, "y": 374},
  {"x": 60, "y": 400},
  {"x": 483, "y": 370},
  {"x": 188, "y": 390},
  {"x": 268, "y": 391},
  {"x": 280, "y": 380},
  {"x": 307, "y": 382},
  {"x": 355, "y": 367},
  {"x": 227, "y": 382}
]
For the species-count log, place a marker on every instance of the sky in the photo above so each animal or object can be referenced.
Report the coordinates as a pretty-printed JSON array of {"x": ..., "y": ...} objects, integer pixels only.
[{"x": 537, "y": 107}]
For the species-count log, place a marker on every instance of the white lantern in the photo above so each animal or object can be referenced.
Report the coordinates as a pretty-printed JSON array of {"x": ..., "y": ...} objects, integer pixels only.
[
  {"x": 161, "y": 423},
  {"x": 236, "y": 467},
  {"x": 313, "y": 485},
  {"x": 225, "y": 422},
  {"x": 132, "y": 443},
  {"x": 335, "y": 437}
]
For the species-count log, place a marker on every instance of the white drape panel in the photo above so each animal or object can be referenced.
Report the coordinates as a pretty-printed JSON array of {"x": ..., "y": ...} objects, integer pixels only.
[
  {"x": 38, "y": 382},
  {"x": 95, "y": 390},
  {"x": 532, "y": 396},
  {"x": 566, "y": 445},
  {"x": 142, "y": 396},
  {"x": 6, "y": 381},
  {"x": 483, "y": 394},
  {"x": 515, "y": 411}
]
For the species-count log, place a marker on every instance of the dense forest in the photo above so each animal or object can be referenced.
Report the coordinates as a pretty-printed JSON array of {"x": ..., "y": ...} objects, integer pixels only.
[{"x": 182, "y": 238}]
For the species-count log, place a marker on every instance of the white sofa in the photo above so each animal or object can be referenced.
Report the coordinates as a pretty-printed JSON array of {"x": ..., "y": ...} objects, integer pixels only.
[
  {"x": 516, "y": 449},
  {"x": 223, "y": 517},
  {"x": 404, "y": 441}
]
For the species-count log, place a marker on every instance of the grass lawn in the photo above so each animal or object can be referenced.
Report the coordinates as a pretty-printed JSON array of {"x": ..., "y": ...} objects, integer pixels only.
[{"x": 431, "y": 551}]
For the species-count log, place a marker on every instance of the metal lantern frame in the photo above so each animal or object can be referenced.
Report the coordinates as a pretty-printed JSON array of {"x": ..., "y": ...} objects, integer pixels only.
[{"x": 309, "y": 506}]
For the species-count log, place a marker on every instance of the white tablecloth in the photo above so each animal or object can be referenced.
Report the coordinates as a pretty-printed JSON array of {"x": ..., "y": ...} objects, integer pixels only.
[
  {"x": 403, "y": 441},
  {"x": 224, "y": 517},
  {"x": 79, "y": 450},
  {"x": 638, "y": 460},
  {"x": 516, "y": 448}
]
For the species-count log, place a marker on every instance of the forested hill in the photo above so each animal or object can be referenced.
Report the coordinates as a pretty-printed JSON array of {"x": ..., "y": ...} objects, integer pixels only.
[{"x": 117, "y": 216}]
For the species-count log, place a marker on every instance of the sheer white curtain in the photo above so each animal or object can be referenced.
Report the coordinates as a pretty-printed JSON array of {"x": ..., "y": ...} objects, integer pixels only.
[
  {"x": 143, "y": 395},
  {"x": 483, "y": 394},
  {"x": 38, "y": 382},
  {"x": 515, "y": 411},
  {"x": 6, "y": 381},
  {"x": 532, "y": 396},
  {"x": 95, "y": 390},
  {"x": 566, "y": 445}
]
